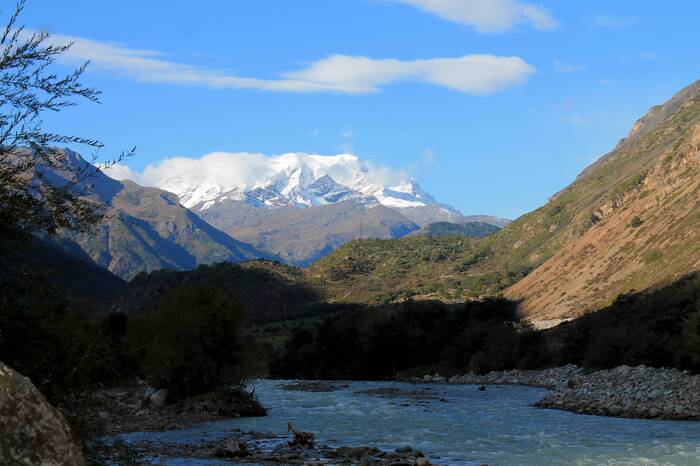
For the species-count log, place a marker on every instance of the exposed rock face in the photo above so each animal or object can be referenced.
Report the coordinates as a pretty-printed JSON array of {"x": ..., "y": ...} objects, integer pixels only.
[
  {"x": 631, "y": 221},
  {"x": 32, "y": 432}
]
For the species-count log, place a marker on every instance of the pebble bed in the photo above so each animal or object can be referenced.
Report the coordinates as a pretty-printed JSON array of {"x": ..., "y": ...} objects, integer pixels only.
[{"x": 632, "y": 392}]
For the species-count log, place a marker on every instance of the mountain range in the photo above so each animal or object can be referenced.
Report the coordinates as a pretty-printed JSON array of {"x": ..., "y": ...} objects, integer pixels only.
[
  {"x": 295, "y": 215},
  {"x": 143, "y": 228},
  {"x": 299, "y": 207},
  {"x": 629, "y": 222}
]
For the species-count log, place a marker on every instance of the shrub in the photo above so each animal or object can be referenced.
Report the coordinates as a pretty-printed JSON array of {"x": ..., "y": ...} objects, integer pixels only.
[
  {"x": 636, "y": 222},
  {"x": 652, "y": 255},
  {"x": 192, "y": 341},
  {"x": 59, "y": 344}
]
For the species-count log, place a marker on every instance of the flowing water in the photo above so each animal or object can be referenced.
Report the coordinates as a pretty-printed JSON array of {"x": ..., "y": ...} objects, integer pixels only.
[{"x": 466, "y": 426}]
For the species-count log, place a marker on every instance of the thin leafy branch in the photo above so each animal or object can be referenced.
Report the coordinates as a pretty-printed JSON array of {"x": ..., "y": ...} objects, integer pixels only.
[{"x": 40, "y": 188}]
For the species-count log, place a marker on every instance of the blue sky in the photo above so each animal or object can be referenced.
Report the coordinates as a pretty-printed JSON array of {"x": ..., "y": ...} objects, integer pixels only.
[{"x": 401, "y": 83}]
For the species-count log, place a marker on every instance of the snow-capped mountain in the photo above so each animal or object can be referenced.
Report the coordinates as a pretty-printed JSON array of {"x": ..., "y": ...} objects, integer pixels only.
[
  {"x": 294, "y": 179},
  {"x": 298, "y": 206}
]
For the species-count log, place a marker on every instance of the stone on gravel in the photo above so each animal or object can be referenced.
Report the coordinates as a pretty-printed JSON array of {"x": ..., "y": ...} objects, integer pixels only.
[
  {"x": 232, "y": 448},
  {"x": 636, "y": 392}
]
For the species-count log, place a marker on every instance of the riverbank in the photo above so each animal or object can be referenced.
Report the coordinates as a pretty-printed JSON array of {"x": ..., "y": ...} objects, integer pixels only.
[
  {"x": 265, "y": 448},
  {"x": 100, "y": 417},
  {"x": 630, "y": 392},
  {"x": 137, "y": 407}
]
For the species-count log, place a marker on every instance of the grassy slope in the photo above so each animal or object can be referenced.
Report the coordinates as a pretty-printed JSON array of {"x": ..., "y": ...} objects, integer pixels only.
[
  {"x": 470, "y": 229},
  {"x": 381, "y": 271},
  {"x": 652, "y": 174}
]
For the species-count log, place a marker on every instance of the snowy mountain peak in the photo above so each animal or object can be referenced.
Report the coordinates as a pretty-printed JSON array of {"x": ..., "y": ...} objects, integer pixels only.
[{"x": 292, "y": 179}]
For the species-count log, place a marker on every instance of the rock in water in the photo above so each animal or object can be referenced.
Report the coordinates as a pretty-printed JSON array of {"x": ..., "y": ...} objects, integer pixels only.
[{"x": 32, "y": 432}]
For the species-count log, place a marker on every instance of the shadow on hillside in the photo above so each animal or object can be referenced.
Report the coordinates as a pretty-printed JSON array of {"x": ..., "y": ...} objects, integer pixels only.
[
  {"x": 651, "y": 328},
  {"x": 269, "y": 291}
]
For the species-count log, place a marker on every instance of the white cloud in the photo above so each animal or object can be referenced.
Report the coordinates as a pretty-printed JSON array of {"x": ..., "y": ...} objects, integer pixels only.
[
  {"x": 564, "y": 68},
  {"x": 614, "y": 22},
  {"x": 219, "y": 172},
  {"x": 120, "y": 172},
  {"x": 471, "y": 74},
  {"x": 488, "y": 16},
  {"x": 346, "y": 144},
  {"x": 429, "y": 157}
]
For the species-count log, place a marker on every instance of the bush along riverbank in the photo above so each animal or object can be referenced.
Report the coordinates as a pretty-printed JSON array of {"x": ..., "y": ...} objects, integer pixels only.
[{"x": 631, "y": 392}]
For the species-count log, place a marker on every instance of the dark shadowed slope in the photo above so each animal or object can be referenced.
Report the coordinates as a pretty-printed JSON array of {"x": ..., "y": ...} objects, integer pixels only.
[{"x": 268, "y": 291}]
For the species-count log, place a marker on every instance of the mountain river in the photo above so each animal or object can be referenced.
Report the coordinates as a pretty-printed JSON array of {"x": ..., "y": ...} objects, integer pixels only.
[{"x": 457, "y": 425}]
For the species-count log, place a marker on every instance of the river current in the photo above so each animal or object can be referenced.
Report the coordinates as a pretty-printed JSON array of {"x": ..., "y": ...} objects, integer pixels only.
[{"x": 459, "y": 426}]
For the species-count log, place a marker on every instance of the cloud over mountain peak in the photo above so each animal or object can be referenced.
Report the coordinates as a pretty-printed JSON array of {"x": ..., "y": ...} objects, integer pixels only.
[{"x": 293, "y": 176}]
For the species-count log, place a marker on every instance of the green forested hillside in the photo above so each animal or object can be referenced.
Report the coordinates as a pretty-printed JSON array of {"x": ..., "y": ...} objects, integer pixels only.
[{"x": 381, "y": 271}]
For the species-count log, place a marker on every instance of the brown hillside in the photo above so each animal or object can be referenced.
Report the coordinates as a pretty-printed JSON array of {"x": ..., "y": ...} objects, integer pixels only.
[{"x": 632, "y": 219}]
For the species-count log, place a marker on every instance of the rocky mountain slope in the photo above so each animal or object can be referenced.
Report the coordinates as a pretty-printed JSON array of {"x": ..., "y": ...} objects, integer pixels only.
[
  {"x": 301, "y": 236},
  {"x": 146, "y": 229},
  {"x": 630, "y": 221},
  {"x": 300, "y": 206}
]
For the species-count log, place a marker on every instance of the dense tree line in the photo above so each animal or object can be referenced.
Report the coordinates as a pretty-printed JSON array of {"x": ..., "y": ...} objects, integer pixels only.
[
  {"x": 658, "y": 328},
  {"x": 191, "y": 341},
  {"x": 413, "y": 337}
]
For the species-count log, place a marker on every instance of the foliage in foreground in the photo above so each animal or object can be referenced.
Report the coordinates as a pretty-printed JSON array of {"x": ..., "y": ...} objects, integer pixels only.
[
  {"x": 28, "y": 90},
  {"x": 659, "y": 328},
  {"x": 191, "y": 341}
]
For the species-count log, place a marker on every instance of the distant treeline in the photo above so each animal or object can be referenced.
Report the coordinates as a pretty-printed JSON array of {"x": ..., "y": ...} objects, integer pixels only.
[
  {"x": 413, "y": 337},
  {"x": 659, "y": 328}
]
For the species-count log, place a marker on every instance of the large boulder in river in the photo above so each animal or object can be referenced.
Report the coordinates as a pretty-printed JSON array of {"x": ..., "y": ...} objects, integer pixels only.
[{"x": 32, "y": 432}]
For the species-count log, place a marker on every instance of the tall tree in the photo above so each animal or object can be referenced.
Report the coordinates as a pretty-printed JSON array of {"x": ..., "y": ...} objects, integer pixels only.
[{"x": 28, "y": 90}]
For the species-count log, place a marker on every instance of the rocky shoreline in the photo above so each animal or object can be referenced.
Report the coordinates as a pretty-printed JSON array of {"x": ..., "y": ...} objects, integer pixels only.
[
  {"x": 630, "y": 392},
  {"x": 136, "y": 407},
  {"x": 263, "y": 448}
]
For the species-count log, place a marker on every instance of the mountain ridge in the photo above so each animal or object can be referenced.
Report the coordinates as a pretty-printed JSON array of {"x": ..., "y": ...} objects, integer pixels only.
[
  {"x": 630, "y": 221},
  {"x": 143, "y": 228}
]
